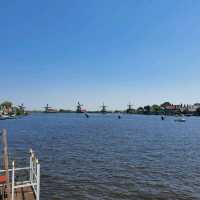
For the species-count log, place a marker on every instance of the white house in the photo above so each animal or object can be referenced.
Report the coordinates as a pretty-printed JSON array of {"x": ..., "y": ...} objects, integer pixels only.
[{"x": 193, "y": 108}]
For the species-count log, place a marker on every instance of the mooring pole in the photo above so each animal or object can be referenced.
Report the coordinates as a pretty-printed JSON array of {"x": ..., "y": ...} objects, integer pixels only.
[{"x": 6, "y": 162}]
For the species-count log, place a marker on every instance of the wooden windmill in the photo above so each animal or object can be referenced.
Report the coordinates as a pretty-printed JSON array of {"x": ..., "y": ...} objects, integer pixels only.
[
  {"x": 103, "y": 108},
  {"x": 130, "y": 109},
  {"x": 79, "y": 107}
]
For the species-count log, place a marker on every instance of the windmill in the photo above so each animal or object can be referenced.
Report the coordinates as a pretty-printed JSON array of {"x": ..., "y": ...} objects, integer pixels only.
[
  {"x": 130, "y": 109},
  {"x": 103, "y": 108},
  {"x": 79, "y": 107},
  {"x": 47, "y": 108}
]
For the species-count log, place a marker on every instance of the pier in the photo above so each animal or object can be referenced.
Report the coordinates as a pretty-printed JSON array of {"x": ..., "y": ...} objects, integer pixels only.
[{"x": 28, "y": 187}]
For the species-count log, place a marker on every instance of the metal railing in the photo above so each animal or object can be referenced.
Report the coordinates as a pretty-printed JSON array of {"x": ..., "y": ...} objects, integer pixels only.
[
  {"x": 33, "y": 179},
  {"x": 35, "y": 174}
]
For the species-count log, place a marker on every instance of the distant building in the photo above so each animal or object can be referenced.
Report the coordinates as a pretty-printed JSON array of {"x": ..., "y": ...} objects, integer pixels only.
[
  {"x": 172, "y": 109},
  {"x": 176, "y": 109},
  {"x": 194, "y": 107},
  {"x": 6, "y": 110}
]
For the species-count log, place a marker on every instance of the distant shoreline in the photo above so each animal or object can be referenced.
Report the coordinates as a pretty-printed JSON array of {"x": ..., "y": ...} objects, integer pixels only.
[{"x": 110, "y": 112}]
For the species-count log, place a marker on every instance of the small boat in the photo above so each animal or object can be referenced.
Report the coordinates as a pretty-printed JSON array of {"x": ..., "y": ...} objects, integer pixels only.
[
  {"x": 188, "y": 115},
  {"x": 3, "y": 117},
  {"x": 180, "y": 120},
  {"x": 11, "y": 117}
]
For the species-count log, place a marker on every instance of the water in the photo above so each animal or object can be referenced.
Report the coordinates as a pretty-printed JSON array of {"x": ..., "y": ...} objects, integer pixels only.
[{"x": 102, "y": 157}]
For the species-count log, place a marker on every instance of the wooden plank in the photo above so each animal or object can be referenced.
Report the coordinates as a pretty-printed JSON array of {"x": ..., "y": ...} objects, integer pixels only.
[
  {"x": 6, "y": 162},
  {"x": 24, "y": 194}
]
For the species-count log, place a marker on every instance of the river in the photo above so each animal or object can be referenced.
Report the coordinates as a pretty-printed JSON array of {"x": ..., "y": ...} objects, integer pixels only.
[{"x": 102, "y": 157}]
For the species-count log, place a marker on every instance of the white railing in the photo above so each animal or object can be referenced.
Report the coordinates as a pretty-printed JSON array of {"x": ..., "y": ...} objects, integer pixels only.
[
  {"x": 35, "y": 174},
  {"x": 33, "y": 179}
]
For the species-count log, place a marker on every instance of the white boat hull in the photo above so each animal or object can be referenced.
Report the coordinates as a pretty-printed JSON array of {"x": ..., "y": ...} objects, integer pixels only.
[{"x": 180, "y": 120}]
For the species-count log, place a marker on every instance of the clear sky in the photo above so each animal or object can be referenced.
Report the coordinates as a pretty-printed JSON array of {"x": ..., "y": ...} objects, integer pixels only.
[{"x": 94, "y": 51}]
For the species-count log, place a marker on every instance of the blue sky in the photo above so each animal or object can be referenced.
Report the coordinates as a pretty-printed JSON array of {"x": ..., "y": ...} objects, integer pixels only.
[{"x": 112, "y": 51}]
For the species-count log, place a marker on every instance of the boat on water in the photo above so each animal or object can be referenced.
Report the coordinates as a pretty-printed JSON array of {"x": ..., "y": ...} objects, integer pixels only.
[
  {"x": 188, "y": 115},
  {"x": 180, "y": 120},
  {"x": 4, "y": 117}
]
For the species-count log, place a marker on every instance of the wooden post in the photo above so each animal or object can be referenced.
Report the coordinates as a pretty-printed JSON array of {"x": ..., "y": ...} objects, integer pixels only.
[{"x": 6, "y": 162}]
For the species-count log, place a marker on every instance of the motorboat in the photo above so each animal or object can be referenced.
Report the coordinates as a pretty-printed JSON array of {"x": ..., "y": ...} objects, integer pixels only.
[{"x": 180, "y": 120}]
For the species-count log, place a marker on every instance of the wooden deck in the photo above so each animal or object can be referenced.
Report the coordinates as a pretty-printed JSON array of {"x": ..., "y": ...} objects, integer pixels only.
[
  {"x": 24, "y": 194},
  {"x": 19, "y": 190}
]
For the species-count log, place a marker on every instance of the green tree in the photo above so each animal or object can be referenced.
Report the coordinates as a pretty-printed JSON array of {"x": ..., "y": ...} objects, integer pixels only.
[
  {"x": 155, "y": 108},
  {"x": 165, "y": 104},
  {"x": 140, "y": 110},
  {"x": 18, "y": 111},
  {"x": 147, "y": 109}
]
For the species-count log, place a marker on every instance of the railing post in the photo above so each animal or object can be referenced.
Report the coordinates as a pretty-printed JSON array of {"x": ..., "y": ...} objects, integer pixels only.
[
  {"x": 31, "y": 165},
  {"x": 33, "y": 168},
  {"x": 13, "y": 180},
  {"x": 38, "y": 180}
]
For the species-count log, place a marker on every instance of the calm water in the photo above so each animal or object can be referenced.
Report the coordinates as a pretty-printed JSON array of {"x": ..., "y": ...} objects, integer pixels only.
[{"x": 136, "y": 157}]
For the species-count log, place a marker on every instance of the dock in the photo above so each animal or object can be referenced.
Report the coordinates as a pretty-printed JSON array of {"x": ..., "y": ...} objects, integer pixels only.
[
  {"x": 24, "y": 194},
  {"x": 28, "y": 188}
]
